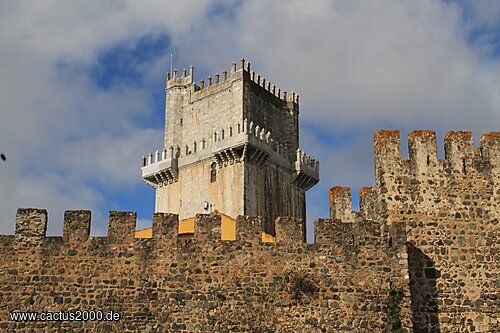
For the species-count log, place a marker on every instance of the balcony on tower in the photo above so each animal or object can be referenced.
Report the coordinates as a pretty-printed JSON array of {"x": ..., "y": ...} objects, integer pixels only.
[
  {"x": 306, "y": 170},
  {"x": 161, "y": 168}
]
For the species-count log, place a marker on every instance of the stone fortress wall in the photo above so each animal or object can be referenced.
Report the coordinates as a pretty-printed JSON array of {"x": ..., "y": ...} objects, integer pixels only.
[
  {"x": 422, "y": 254},
  {"x": 451, "y": 209},
  {"x": 204, "y": 284}
]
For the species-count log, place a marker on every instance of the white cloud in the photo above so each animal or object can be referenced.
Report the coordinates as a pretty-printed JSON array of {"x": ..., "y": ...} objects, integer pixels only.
[
  {"x": 357, "y": 65},
  {"x": 62, "y": 134}
]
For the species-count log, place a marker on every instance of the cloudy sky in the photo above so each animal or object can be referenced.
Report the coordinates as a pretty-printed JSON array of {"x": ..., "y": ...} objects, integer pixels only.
[{"x": 82, "y": 86}]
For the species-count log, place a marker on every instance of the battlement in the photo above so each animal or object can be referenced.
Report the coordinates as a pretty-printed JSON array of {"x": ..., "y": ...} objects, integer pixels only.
[
  {"x": 460, "y": 156},
  {"x": 340, "y": 205},
  {"x": 31, "y": 225},
  {"x": 399, "y": 179},
  {"x": 291, "y": 99},
  {"x": 228, "y": 145},
  {"x": 217, "y": 82},
  {"x": 190, "y": 279}
]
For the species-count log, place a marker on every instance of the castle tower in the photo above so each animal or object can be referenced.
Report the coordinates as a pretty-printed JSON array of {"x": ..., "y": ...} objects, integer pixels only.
[{"x": 231, "y": 145}]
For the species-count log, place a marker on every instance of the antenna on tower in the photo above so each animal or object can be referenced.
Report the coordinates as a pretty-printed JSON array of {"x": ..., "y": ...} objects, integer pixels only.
[{"x": 171, "y": 63}]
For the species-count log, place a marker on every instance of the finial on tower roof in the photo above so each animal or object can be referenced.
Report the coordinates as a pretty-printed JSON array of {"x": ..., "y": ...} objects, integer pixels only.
[
  {"x": 168, "y": 76},
  {"x": 209, "y": 81},
  {"x": 202, "y": 84},
  {"x": 233, "y": 68},
  {"x": 175, "y": 73},
  {"x": 224, "y": 75},
  {"x": 242, "y": 63},
  {"x": 184, "y": 72},
  {"x": 248, "y": 67},
  {"x": 216, "y": 77}
]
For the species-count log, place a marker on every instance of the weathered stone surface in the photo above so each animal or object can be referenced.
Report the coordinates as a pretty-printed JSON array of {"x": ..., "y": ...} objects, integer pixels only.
[
  {"x": 450, "y": 209},
  {"x": 204, "y": 284}
]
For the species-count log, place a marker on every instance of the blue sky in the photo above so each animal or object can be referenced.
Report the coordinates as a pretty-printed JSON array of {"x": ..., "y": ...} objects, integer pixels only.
[{"x": 82, "y": 86}]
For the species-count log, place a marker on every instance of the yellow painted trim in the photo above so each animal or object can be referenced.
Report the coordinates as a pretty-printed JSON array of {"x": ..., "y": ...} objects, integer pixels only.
[
  {"x": 186, "y": 226},
  {"x": 144, "y": 233},
  {"x": 228, "y": 227},
  {"x": 267, "y": 238},
  {"x": 186, "y": 229}
]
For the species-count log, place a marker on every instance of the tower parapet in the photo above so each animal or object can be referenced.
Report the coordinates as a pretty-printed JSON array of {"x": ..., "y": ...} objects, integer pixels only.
[{"x": 229, "y": 146}]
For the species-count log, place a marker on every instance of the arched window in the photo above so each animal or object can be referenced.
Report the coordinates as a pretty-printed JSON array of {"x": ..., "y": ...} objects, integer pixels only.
[{"x": 213, "y": 172}]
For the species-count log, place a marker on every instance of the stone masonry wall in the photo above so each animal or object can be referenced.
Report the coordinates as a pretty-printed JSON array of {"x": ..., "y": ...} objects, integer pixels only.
[
  {"x": 165, "y": 284},
  {"x": 193, "y": 114},
  {"x": 451, "y": 209},
  {"x": 276, "y": 113},
  {"x": 271, "y": 193}
]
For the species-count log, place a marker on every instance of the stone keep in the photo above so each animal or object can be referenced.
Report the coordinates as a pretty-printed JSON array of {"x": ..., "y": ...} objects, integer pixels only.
[{"x": 231, "y": 145}]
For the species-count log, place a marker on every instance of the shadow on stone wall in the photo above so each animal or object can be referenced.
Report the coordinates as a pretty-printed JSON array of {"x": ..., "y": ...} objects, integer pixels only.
[{"x": 423, "y": 278}]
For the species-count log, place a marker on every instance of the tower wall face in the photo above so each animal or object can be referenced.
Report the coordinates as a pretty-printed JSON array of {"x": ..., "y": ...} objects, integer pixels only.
[
  {"x": 187, "y": 197},
  {"x": 193, "y": 114},
  {"x": 279, "y": 116},
  {"x": 270, "y": 193}
]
